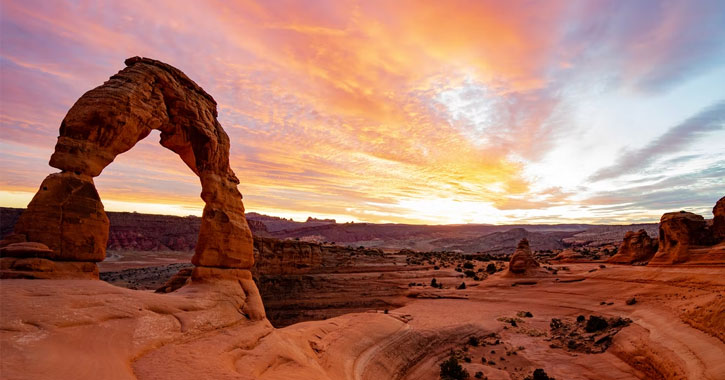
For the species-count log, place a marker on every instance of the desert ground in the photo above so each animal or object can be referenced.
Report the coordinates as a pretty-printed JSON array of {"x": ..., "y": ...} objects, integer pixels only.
[{"x": 92, "y": 329}]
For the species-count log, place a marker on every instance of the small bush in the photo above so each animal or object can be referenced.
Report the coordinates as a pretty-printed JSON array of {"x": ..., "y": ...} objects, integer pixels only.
[
  {"x": 491, "y": 268},
  {"x": 462, "y": 286},
  {"x": 596, "y": 324},
  {"x": 474, "y": 341},
  {"x": 539, "y": 374},
  {"x": 434, "y": 283},
  {"x": 555, "y": 323},
  {"x": 451, "y": 370},
  {"x": 470, "y": 273},
  {"x": 468, "y": 265},
  {"x": 478, "y": 375}
]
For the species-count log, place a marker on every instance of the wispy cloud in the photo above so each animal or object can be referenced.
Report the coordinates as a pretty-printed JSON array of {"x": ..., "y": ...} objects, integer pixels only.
[{"x": 710, "y": 119}]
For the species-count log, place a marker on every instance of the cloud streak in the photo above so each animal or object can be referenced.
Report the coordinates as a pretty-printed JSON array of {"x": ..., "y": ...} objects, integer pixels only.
[{"x": 710, "y": 119}]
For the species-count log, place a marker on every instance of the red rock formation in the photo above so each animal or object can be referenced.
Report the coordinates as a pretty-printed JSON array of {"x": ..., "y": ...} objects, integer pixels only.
[
  {"x": 522, "y": 261},
  {"x": 679, "y": 231},
  {"x": 568, "y": 256},
  {"x": 718, "y": 221},
  {"x": 636, "y": 247},
  {"x": 283, "y": 257},
  {"x": 67, "y": 215}
]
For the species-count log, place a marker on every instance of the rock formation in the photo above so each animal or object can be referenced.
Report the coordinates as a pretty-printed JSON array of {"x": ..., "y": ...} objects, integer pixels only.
[
  {"x": 679, "y": 231},
  {"x": 636, "y": 247},
  {"x": 283, "y": 257},
  {"x": 66, "y": 215},
  {"x": 568, "y": 256},
  {"x": 689, "y": 238},
  {"x": 718, "y": 221},
  {"x": 522, "y": 261}
]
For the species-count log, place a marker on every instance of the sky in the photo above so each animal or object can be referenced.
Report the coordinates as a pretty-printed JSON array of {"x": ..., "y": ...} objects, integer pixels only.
[{"x": 425, "y": 112}]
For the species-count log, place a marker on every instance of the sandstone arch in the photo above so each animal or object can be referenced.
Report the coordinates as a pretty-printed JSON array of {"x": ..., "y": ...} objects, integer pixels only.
[{"x": 65, "y": 222}]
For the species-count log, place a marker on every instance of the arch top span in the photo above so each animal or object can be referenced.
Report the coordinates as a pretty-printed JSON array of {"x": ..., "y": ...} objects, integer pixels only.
[{"x": 66, "y": 216}]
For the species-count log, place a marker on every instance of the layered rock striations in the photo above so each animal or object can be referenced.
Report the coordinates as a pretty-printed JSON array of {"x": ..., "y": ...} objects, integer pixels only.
[
  {"x": 67, "y": 216},
  {"x": 283, "y": 257},
  {"x": 636, "y": 247}
]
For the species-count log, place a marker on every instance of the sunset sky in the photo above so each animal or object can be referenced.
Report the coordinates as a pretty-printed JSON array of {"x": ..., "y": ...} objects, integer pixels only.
[{"x": 428, "y": 112}]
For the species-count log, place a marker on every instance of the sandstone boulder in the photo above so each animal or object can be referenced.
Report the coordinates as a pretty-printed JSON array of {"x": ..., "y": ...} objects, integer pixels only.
[
  {"x": 636, "y": 247},
  {"x": 522, "y": 261},
  {"x": 679, "y": 232}
]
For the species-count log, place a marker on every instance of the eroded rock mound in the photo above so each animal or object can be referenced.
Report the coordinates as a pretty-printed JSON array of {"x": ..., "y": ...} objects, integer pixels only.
[
  {"x": 568, "y": 256},
  {"x": 67, "y": 215},
  {"x": 522, "y": 261},
  {"x": 679, "y": 231},
  {"x": 636, "y": 247}
]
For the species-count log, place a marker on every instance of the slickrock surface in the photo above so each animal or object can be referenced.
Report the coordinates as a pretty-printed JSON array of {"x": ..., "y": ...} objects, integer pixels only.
[
  {"x": 636, "y": 247},
  {"x": 91, "y": 330}
]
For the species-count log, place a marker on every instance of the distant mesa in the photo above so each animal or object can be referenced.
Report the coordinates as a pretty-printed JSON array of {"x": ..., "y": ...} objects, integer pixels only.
[
  {"x": 316, "y": 220},
  {"x": 67, "y": 215},
  {"x": 636, "y": 247}
]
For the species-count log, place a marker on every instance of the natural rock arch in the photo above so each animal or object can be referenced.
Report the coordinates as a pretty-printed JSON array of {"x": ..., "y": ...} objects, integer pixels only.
[{"x": 65, "y": 221}]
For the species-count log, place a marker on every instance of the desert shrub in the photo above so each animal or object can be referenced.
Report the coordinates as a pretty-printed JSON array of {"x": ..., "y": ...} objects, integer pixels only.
[
  {"x": 434, "y": 283},
  {"x": 555, "y": 323},
  {"x": 539, "y": 374},
  {"x": 470, "y": 273},
  {"x": 596, "y": 323},
  {"x": 468, "y": 265},
  {"x": 491, "y": 268},
  {"x": 452, "y": 370},
  {"x": 580, "y": 319},
  {"x": 478, "y": 375},
  {"x": 462, "y": 286},
  {"x": 474, "y": 341},
  {"x": 436, "y": 267}
]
